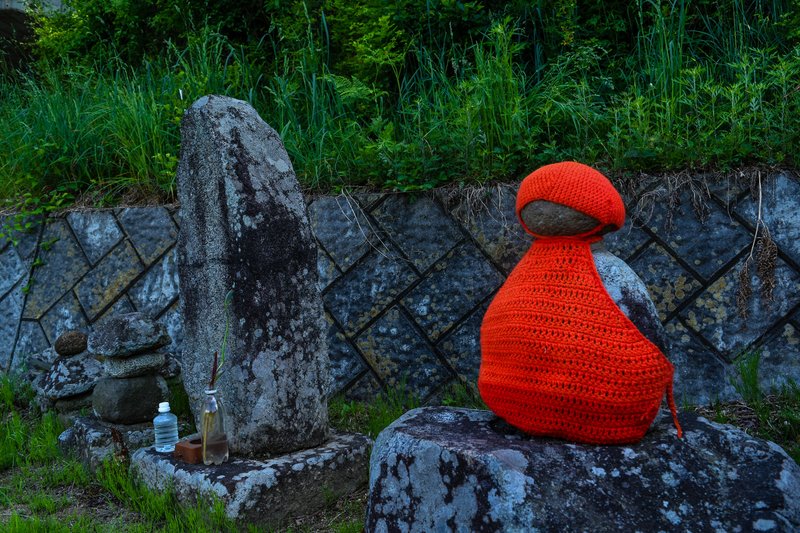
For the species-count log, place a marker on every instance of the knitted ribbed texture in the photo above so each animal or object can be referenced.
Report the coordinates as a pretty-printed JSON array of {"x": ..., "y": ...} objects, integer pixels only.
[
  {"x": 558, "y": 357},
  {"x": 575, "y": 185}
]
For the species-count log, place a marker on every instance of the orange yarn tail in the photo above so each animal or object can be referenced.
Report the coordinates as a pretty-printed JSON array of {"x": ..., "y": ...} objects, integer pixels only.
[{"x": 674, "y": 410}]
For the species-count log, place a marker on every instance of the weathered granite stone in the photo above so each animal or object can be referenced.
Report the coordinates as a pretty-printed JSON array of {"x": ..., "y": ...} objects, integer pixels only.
[
  {"x": 384, "y": 272},
  {"x": 92, "y": 440},
  {"x": 710, "y": 243},
  {"x": 419, "y": 226},
  {"x": 493, "y": 224},
  {"x": 120, "y": 307},
  {"x": 264, "y": 492},
  {"x": 40, "y": 397},
  {"x": 43, "y": 360},
  {"x": 714, "y": 314},
  {"x": 172, "y": 366},
  {"x": 327, "y": 270},
  {"x": 728, "y": 189},
  {"x": 779, "y": 364},
  {"x": 136, "y": 365},
  {"x": 28, "y": 239},
  {"x": 126, "y": 335},
  {"x": 459, "y": 283},
  {"x": 342, "y": 228},
  {"x": 70, "y": 409},
  {"x": 108, "y": 279},
  {"x": 11, "y": 304},
  {"x": 368, "y": 200},
  {"x": 158, "y": 288},
  {"x": 447, "y": 469},
  {"x": 129, "y": 400},
  {"x": 462, "y": 346},
  {"x": 12, "y": 269},
  {"x": 31, "y": 341},
  {"x": 62, "y": 265},
  {"x": 74, "y": 403},
  {"x": 668, "y": 283},
  {"x": 71, "y": 342},
  {"x": 64, "y": 316},
  {"x": 150, "y": 229},
  {"x": 97, "y": 232},
  {"x": 630, "y": 295},
  {"x": 400, "y": 354},
  {"x": 173, "y": 321},
  {"x": 71, "y": 376},
  {"x": 626, "y": 241},
  {"x": 245, "y": 228},
  {"x": 701, "y": 378},
  {"x": 346, "y": 364},
  {"x": 553, "y": 220},
  {"x": 780, "y": 211},
  {"x": 366, "y": 388}
]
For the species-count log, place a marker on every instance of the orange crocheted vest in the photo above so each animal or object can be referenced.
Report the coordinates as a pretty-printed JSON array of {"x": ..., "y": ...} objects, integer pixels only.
[{"x": 558, "y": 357}]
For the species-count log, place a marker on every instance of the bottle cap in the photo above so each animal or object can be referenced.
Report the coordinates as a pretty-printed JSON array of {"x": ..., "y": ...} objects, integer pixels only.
[{"x": 163, "y": 407}]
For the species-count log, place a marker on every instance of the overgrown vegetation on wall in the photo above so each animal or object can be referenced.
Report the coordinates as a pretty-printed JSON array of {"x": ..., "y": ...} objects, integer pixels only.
[{"x": 403, "y": 95}]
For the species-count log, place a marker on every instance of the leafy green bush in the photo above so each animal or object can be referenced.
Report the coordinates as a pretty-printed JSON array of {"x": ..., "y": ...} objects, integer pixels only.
[{"x": 409, "y": 96}]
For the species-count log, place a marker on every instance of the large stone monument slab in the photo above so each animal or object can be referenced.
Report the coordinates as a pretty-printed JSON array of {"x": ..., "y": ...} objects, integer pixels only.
[
  {"x": 244, "y": 227},
  {"x": 447, "y": 469}
]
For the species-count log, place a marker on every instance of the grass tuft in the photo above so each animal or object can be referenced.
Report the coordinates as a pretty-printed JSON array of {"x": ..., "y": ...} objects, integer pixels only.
[
  {"x": 370, "y": 418},
  {"x": 773, "y": 415}
]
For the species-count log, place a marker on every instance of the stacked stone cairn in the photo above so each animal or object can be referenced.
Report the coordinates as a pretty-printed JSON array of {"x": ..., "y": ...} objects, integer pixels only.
[
  {"x": 67, "y": 384},
  {"x": 129, "y": 347}
]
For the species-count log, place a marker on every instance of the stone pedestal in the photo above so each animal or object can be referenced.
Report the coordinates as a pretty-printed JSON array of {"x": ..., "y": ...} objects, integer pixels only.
[
  {"x": 92, "y": 440},
  {"x": 264, "y": 492},
  {"x": 446, "y": 469}
]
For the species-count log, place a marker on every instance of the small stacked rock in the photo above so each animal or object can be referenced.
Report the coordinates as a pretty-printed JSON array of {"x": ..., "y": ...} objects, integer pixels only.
[
  {"x": 67, "y": 384},
  {"x": 128, "y": 346}
]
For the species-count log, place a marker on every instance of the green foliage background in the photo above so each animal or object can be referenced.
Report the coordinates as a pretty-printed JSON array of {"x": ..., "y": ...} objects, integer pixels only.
[{"x": 403, "y": 95}]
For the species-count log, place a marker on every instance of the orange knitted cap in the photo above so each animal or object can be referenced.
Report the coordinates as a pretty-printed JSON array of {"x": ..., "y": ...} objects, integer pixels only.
[{"x": 577, "y": 186}]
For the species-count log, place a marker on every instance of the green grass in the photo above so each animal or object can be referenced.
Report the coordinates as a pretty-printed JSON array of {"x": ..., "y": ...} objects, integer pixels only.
[
  {"x": 40, "y": 490},
  {"x": 773, "y": 415},
  {"x": 370, "y": 418}
]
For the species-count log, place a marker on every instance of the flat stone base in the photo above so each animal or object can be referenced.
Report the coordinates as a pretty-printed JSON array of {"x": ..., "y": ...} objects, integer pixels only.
[
  {"x": 92, "y": 440},
  {"x": 264, "y": 492},
  {"x": 447, "y": 469}
]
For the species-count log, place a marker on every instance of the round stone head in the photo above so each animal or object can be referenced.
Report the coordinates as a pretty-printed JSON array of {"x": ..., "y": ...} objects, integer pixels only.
[{"x": 569, "y": 199}]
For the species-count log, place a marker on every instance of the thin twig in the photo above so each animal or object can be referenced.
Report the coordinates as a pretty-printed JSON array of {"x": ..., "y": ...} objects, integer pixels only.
[{"x": 758, "y": 219}]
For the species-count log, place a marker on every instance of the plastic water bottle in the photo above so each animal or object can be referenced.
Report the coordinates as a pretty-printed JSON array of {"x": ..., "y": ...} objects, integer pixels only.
[{"x": 166, "y": 426}]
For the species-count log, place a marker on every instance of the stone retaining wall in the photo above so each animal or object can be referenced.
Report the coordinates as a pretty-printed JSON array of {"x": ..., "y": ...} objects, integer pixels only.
[{"x": 406, "y": 280}]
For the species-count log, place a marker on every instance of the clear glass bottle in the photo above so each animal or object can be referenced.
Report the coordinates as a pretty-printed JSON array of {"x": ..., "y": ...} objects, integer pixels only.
[
  {"x": 212, "y": 429},
  {"x": 166, "y": 429}
]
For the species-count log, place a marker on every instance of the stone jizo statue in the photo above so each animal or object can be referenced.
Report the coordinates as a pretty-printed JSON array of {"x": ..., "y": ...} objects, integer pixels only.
[{"x": 571, "y": 346}]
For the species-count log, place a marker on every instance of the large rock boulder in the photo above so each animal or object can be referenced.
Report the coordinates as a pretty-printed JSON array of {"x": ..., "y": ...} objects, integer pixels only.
[
  {"x": 445, "y": 469},
  {"x": 245, "y": 228}
]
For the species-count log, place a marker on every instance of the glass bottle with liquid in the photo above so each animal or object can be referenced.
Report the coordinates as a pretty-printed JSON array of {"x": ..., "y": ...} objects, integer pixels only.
[
  {"x": 214, "y": 440},
  {"x": 166, "y": 429}
]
